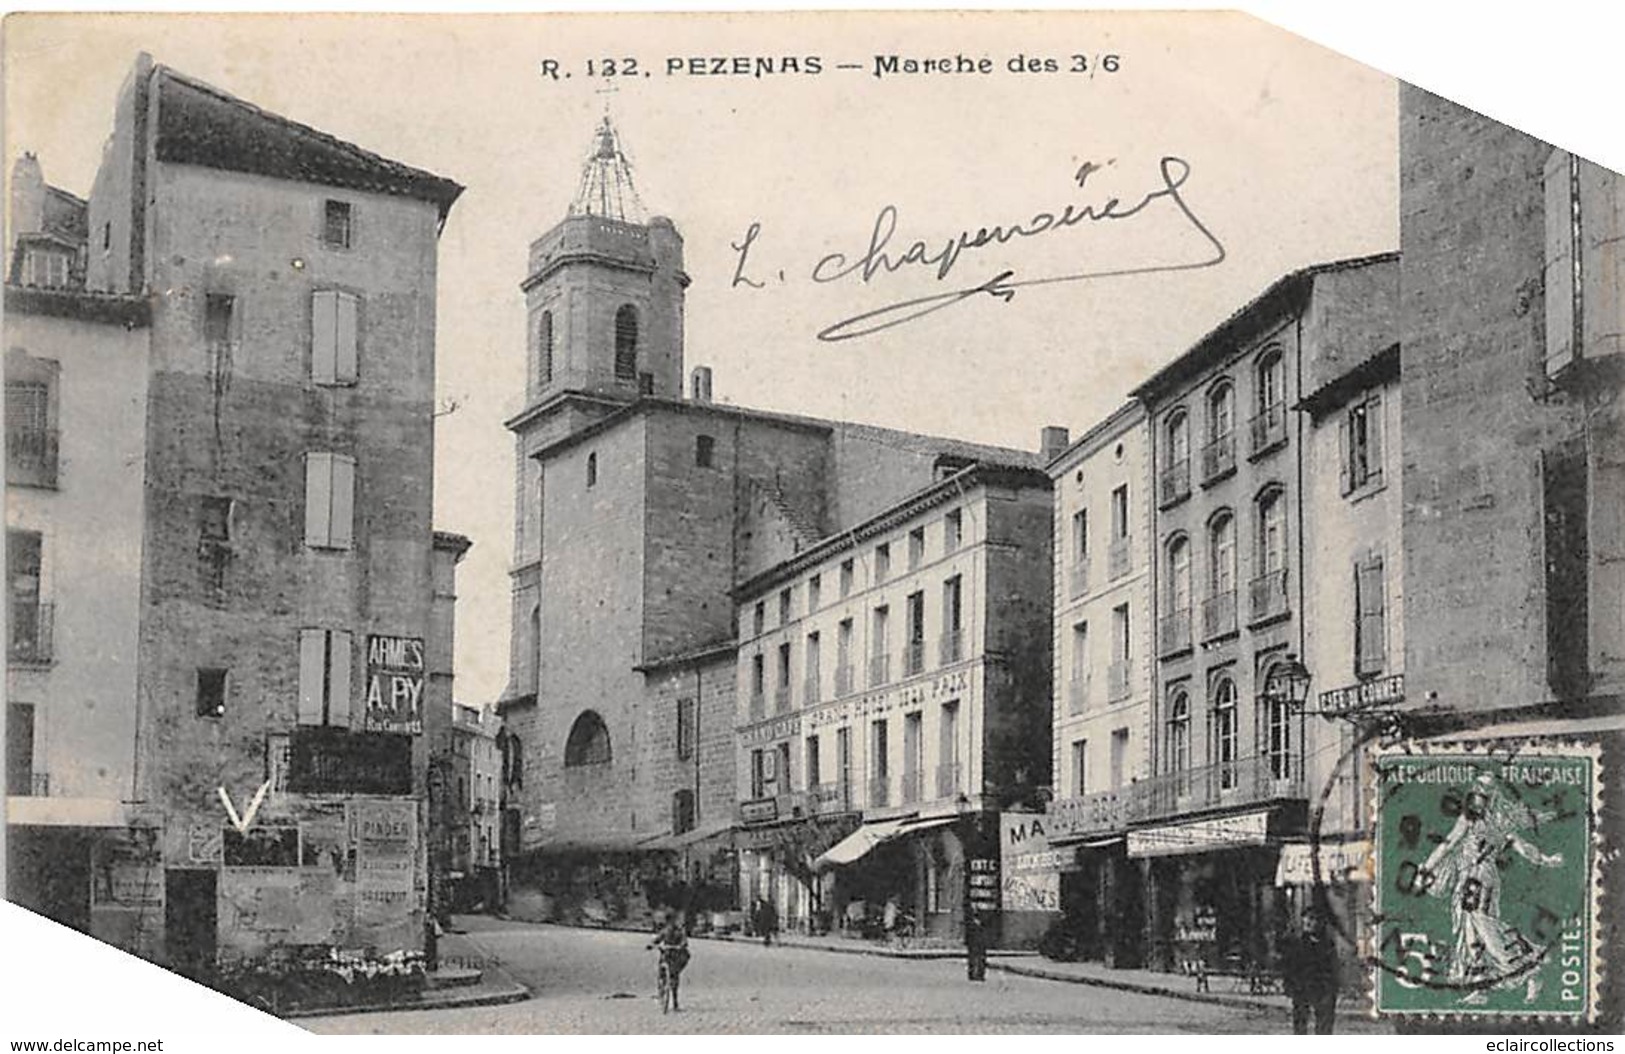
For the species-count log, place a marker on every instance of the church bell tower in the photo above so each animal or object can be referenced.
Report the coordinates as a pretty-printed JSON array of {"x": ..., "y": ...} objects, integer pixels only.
[{"x": 604, "y": 297}]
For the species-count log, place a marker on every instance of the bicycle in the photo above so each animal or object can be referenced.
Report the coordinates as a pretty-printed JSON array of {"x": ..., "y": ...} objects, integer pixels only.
[{"x": 666, "y": 977}]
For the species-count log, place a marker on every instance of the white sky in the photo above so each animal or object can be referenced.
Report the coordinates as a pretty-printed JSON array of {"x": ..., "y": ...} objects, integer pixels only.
[{"x": 1292, "y": 151}]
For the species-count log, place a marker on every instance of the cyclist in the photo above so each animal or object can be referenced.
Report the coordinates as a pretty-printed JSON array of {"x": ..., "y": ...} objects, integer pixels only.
[{"x": 673, "y": 945}]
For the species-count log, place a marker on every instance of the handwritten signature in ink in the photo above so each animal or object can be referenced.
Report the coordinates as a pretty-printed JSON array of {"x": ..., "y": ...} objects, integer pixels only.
[{"x": 878, "y": 260}]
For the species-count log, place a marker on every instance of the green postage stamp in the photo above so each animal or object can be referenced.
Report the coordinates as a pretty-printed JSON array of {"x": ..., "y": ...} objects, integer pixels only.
[{"x": 1485, "y": 884}]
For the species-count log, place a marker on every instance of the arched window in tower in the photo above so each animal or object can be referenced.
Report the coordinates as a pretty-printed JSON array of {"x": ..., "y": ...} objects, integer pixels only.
[
  {"x": 588, "y": 743},
  {"x": 592, "y": 470},
  {"x": 544, "y": 348},
  {"x": 626, "y": 343}
]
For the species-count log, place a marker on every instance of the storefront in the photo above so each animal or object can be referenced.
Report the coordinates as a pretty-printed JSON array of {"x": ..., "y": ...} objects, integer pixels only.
[
  {"x": 1211, "y": 893},
  {"x": 911, "y": 869}
]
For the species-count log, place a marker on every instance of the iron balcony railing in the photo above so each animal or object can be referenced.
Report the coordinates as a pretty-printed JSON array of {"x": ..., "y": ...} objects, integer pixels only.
[
  {"x": 913, "y": 657},
  {"x": 913, "y": 786},
  {"x": 1174, "y": 633},
  {"x": 1219, "y": 615},
  {"x": 1218, "y": 458},
  {"x": 879, "y": 792},
  {"x": 1118, "y": 677},
  {"x": 843, "y": 680},
  {"x": 1175, "y": 483},
  {"x": 1268, "y": 595},
  {"x": 31, "y": 456},
  {"x": 31, "y": 639},
  {"x": 810, "y": 690},
  {"x": 948, "y": 785},
  {"x": 1269, "y": 428},
  {"x": 1117, "y": 558},
  {"x": 879, "y": 670},
  {"x": 1077, "y": 693},
  {"x": 1243, "y": 781},
  {"x": 951, "y": 647},
  {"x": 1078, "y": 578}
]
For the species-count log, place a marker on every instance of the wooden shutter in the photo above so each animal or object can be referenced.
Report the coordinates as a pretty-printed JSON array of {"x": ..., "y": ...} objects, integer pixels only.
[
  {"x": 1344, "y": 454},
  {"x": 1370, "y": 611},
  {"x": 339, "y": 656},
  {"x": 1602, "y": 245},
  {"x": 312, "y": 669},
  {"x": 323, "y": 336},
  {"x": 318, "y": 499},
  {"x": 1560, "y": 350},
  {"x": 1373, "y": 436},
  {"x": 344, "y": 338},
  {"x": 341, "y": 532}
]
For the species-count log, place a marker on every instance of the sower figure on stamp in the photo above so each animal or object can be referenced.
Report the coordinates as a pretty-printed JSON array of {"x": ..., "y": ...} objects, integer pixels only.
[
  {"x": 1466, "y": 867},
  {"x": 1309, "y": 973}
]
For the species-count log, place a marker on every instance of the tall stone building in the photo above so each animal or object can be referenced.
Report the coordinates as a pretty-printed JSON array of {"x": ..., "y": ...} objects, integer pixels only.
[
  {"x": 637, "y": 510},
  {"x": 1512, "y": 304},
  {"x": 284, "y": 523}
]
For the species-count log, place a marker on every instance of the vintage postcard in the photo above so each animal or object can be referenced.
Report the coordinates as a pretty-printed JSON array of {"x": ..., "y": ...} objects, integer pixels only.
[{"x": 570, "y": 523}]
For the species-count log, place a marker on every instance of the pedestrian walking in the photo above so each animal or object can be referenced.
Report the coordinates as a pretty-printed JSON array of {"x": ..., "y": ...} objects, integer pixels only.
[
  {"x": 1309, "y": 973},
  {"x": 975, "y": 947},
  {"x": 766, "y": 921}
]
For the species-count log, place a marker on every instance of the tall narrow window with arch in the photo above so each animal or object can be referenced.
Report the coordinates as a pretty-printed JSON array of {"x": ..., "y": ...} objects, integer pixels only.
[
  {"x": 592, "y": 470},
  {"x": 1219, "y": 452},
  {"x": 588, "y": 743},
  {"x": 1174, "y": 629},
  {"x": 1219, "y": 609},
  {"x": 1177, "y": 738},
  {"x": 1226, "y": 725},
  {"x": 1176, "y": 466},
  {"x": 544, "y": 348},
  {"x": 1269, "y": 423},
  {"x": 1277, "y": 734},
  {"x": 626, "y": 343},
  {"x": 1268, "y": 599}
]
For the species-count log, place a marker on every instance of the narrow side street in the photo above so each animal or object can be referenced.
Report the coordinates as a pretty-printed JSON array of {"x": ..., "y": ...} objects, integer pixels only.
[{"x": 590, "y": 981}]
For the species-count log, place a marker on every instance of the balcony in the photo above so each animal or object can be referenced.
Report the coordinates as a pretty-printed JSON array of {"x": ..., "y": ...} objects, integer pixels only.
[
  {"x": 948, "y": 780},
  {"x": 1218, "y": 459},
  {"x": 913, "y": 786},
  {"x": 31, "y": 456},
  {"x": 1174, "y": 485},
  {"x": 781, "y": 698},
  {"x": 793, "y": 804},
  {"x": 1117, "y": 558},
  {"x": 879, "y": 792},
  {"x": 810, "y": 690},
  {"x": 1267, "y": 596},
  {"x": 830, "y": 798},
  {"x": 879, "y": 670},
  {"x": 1245, "y": 781},
  {"x": 1077, "y": 693},
  {"x": 843, "y": 680},
  {"x": 1219, "y": 615},
  {"x": 951, "y": 647},
  {"x": 1077, "y": 579},
  {"x": 913, "y": 658},
  {"x": 1174, "y": 633},
  {"x": 1118, "y": 678},
  {"x": 30, "y": 643},
  {"x": 1268, "y": 429}
]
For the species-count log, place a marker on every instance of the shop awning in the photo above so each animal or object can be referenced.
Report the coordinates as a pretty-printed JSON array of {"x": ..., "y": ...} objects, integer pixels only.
[
  {"x": 1340, "y": 863},
  {"x": 688, "y": 838},
  {"x": 1544, "y": 728},
  {"x": 858, "y": 844},
  {"x": 913, "y": 827}
]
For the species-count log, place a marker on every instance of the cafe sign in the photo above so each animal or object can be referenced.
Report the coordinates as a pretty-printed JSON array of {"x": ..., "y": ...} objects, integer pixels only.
[
  {"x": 1200, "y": 836},
  {"x": 1384, "y": 691},
  {"x": 768, "y": 731}
]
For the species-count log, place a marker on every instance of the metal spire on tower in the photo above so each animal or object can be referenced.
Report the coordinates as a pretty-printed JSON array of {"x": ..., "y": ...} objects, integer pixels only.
[{"x": 606, "y": 179}]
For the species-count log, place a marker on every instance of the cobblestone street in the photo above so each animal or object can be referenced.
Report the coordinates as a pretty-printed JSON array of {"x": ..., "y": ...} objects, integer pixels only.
[{"x": 603, "y": 981}]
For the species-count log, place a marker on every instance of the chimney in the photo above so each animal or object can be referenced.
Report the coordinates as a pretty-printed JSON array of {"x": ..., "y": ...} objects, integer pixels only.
[
  {"x": 1053, "y": 441},
  {"x": 702, "y": 384}
]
